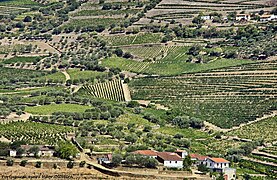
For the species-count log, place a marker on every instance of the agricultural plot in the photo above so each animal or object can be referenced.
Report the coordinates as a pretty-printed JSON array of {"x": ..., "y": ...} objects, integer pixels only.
[
  {"x": 85, "y": 23},
  {"x": 223, "y": 99},
  {"x": 85, "y": 75},
  {"x": 183, "y": 11},
  {"x": 19, "y": 3},
  {"x": 169, "y": 67},
  {"x": 50, "y": 109},
  {"x": 141, "y": 38},
  {"x": 22, "y": 60},
  {"x": 112, "y": 90},
  {"x": 265, "y": 130},
  {"x": 34, "y": 133}
]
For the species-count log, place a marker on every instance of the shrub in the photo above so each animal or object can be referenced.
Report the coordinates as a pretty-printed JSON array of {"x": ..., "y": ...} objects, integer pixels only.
[
  {"x": 9, "y": 162},
  {"x": 70, "y": 164},
  {"x": 38, "y": 164},
  {"x": 23, "y": 163},
  {"x": 82, "y": 164}
]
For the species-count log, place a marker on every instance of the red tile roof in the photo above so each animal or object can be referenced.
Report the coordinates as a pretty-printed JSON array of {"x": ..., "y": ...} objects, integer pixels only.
[
  {"x": 169, "y": 156},
  {"x": 219, "y": 160},
  {"x": 198, "y": 157},
  {"x": 146, "y": 152}
]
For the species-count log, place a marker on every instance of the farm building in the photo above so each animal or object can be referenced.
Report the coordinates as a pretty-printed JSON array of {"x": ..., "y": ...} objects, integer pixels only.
[
  {"x": 34, "y": 150},
  {"x": 217, "y": 164},
  {"x": 243, "y": 17},
  {"x": 181, "y": 153},
  {"x": 207, "y": 17},
  {"x": 170, "y": 160},
  {"x": 268, "y": 17},
  {"x": 198, "y": 159},
  {"x": 229, "y": 173},
  {"x": 150, "y": 153}
]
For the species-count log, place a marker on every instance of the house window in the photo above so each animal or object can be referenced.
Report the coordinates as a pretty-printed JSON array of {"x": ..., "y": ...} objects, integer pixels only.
[{"x": 169, "y": 161}]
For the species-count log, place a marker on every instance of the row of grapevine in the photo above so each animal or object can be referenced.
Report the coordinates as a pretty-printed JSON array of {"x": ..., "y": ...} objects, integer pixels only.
[{"x": 112, "y": 90}]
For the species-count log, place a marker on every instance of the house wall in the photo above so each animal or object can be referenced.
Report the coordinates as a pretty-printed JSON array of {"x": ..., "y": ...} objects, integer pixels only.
[
  {"x": 12, "y": 153},
  {"x": 173, "y": 164},
  {"x": 212, "y": 165}
]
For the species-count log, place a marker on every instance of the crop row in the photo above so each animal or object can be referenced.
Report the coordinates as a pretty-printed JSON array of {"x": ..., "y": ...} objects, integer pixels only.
[
  {"x": 225, "y": 101},
  {"x": 34, "y": 133},
  {"x": 142, "y": 38},
  {"x": 112, "y": 90}
]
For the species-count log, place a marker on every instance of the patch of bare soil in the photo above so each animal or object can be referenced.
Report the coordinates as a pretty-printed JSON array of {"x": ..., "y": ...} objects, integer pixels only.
[{"x": 28, "y": 172}]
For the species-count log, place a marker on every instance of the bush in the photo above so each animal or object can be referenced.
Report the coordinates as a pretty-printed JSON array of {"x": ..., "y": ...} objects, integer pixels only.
[
  {"x": 82, "y": 164},
  {"x": 116, "y": 159},
  {"x": 38, "y": 164},
  {"x": 70, "y": 164},
  {"x": 9, "y": 162},
  {"x": 23, "y": 163}
]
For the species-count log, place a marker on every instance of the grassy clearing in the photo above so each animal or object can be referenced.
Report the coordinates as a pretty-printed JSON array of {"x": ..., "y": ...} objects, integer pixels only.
[
  {"x": 21, "y": 3},
  {"x": 82, "y": 23},
  {"x": 77, "y": 74},
  {"x": 22, "y": 60},
  {"x": 132, "y": 118},
  {"x": 58, "y": 76},
  {"x": 49, "y": 109}
]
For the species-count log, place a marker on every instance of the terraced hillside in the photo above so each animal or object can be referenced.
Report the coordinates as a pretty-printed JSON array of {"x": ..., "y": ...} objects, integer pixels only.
[
  {"x": 225, "y": 99},
  {"x": 183, "y": 11},
  {"x": 112, "y": 90}
]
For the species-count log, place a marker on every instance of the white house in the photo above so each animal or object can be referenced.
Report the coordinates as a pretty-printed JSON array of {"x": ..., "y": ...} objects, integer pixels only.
[
  {"x": 181, "y": 153},
  {"x": 229, "y": 173},
  {"x": 245, "y": 17},
  {"x": 150, "y": 153},
  {"x": 207, "y": 17},
  {"x": 170, "y": 160},
  {"x": 198, "y": 159},
  {"x": 42, "y": 151},
  {"x": 12, "y": 153},
  {"x": 268, "y": 17},
  {"x": 217, "y": 164}
]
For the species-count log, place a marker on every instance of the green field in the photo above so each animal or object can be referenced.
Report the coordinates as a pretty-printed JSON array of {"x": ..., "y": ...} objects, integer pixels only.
[
  {"x": 86, "y": 75},
  {"x": 169, "y": 68},
  {"x": 34, "y": 133},
  {"x": 141, "y": 38},
  {"x": 18, "y": 3},
  {"x": 49, "y": 109},
  {"x": 22, "y": 60},
  {"x": 82, "y": 23},
  {"x": 224, "y": 100},
  {"x": 264, "y": 129}
]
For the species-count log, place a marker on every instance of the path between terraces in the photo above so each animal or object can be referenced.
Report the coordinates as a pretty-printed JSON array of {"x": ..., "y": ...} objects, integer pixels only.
[{"x": 67, "y": 76}]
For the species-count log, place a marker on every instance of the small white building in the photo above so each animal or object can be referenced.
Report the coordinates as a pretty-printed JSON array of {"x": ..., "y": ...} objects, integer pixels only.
[
  {"x": 12, "y": 153},
  {"x": 181, "y": 153},
  {"x": 170, "y": 160},
  {"x": 268, "y": 17},
  {"x": 229, "y": 173},
  {"x": 28, "y": 151},
  {"x": 207, "y": 17},
  {"x": 217, "y": 164},
  {"x": 243, "y": 17}
]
